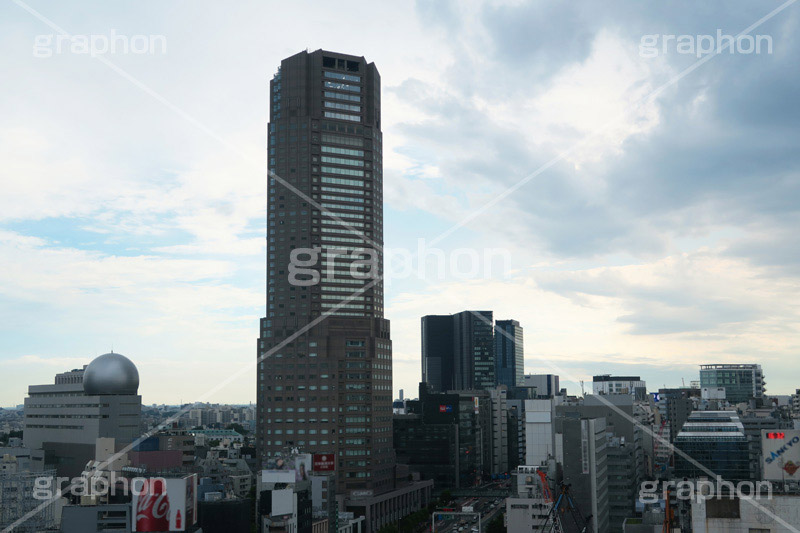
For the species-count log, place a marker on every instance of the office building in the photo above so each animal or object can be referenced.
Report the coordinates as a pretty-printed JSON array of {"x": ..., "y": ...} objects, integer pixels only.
[
  {"x": 498, "y": 398},
  {"x": 283, "y": 503},
  {"x": 540, "y": 385},
  {"x": 713, "y": 443},
  {"x": 622, "y": 489},
  {"x": 582, "y": 451},
  {"x": 516, "y": 432},
  {"x": 17, "y": 502},
  {"x": 65, "y": 419},
  {"x": 446, "y": 437},
  {"x": 458, "y": 351},
  {"x": 608, "y": 384},
  {"x": 388, "y": 508},
  {"x": 540, "y": 430},
  {"x": 438, "y": 352},
  {"x": 508, "y": 353},
  {"x": 474, "y": 349},
  {"x": 626, "y": 449},
  {"x": 742, "y": 383},
  {"x": 726, "y": 515},
  {"x": 676, "y": 406},
  {"x": 326, "y": 388},
  {"x": 528, "y": 509}
]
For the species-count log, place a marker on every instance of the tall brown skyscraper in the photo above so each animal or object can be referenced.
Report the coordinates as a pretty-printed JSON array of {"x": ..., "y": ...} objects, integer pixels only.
[{"x": 328, "y": 389}]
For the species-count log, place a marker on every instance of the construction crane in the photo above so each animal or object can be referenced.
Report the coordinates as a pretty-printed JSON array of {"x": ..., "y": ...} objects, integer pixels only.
[
  {"x": 668, "y": 515},
  {"x": 560, "y": 506}
]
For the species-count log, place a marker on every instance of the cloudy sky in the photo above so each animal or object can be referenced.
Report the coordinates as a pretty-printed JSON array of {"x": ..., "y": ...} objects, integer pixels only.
[{"x": 644, "y": 200}]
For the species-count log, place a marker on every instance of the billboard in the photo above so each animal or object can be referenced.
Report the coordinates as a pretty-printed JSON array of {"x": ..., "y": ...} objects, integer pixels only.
[
  {"x": 302, "y": 466},
  {"x": 279, "y": 470},
  {"x": 282, "y": 502},
  {"x": 445, "y": 408},
  {"x": 324, "y": 462},
  {"x": 780, "y": 454},
  {"x": 165, "y": 504},
  {"x": 278, "y": 476}
]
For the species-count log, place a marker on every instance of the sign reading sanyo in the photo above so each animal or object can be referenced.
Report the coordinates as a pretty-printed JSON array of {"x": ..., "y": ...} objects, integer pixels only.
[{"x": 781, "y": 454}]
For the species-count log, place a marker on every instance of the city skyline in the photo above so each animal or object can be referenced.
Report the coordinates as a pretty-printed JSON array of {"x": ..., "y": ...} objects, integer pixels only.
[{"x": 648, "y": 250}]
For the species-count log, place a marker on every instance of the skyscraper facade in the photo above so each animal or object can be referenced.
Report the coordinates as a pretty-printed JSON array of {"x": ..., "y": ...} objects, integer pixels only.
[
  {"x": 458, "y": 351},
  {"x": 438, "y": 356},
  {"x": 325, "y": 364},
  {"x": 474, "y": 348},
  {"x": 508, "y": 353}
]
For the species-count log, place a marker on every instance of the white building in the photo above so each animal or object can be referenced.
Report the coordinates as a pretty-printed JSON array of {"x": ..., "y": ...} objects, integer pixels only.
[
  {"x": 539, "y": 433},
  {"x": 740, "y": 515},
  {"x": 527, "y": 509}
]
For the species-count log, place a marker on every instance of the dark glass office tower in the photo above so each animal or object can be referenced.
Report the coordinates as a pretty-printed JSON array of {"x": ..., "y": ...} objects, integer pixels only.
[
  {"x": 474, "y": 348},
  {"x": 326, "y": 385},
  {"x": 458, "y": 351},
  {"x": 438, "y": 352},
  {"x": 508, "y": 353}
]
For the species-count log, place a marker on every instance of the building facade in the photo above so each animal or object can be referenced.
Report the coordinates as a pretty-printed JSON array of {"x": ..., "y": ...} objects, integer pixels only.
[
  {"x": 741, "y": 382},
  {"x": 458, "y": 351},
  {"x": 608, "y": 384},
  {"x": 541, "y": 385},
  {"x": 65, "y": 419},
  {"x": 438, "y": 352},
  {"x": 713, "y": 443},
  {"x": 581, "y": 448},
  {"x": 508, "y": 353},
  {"x": 446, "y": 437},
  {"x": 325, "y": 365}
]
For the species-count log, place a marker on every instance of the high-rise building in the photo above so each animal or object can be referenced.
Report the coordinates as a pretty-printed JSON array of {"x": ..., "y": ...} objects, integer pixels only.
[
  {"x": 741, "y": 382},
  {"x": 508, "y": 353},
  {"x": 458, "y": 351},
  {"x": 582, "y": 451},
  {"x": 438, "y": 352},
  {"x": 325, "y": 364},
  {"x": 499, "y": 430},
  {"x": 474, "y": 347}
]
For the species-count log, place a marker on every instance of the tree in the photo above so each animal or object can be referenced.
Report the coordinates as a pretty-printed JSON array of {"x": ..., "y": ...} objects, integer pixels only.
[
  {"x": 238, "y": 428},
  {"x": 496, "y": 525}
]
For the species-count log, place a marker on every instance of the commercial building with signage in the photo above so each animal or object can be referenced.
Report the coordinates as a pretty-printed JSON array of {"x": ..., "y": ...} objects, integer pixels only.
[
  {"x": 446, "y": 437},
  {"x": 780, "y": 451}
]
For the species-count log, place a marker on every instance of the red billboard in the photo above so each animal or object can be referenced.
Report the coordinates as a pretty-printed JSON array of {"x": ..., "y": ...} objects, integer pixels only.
[
  {"x": 324, "y": 462},
  {"x": 165, "y": 504}
]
